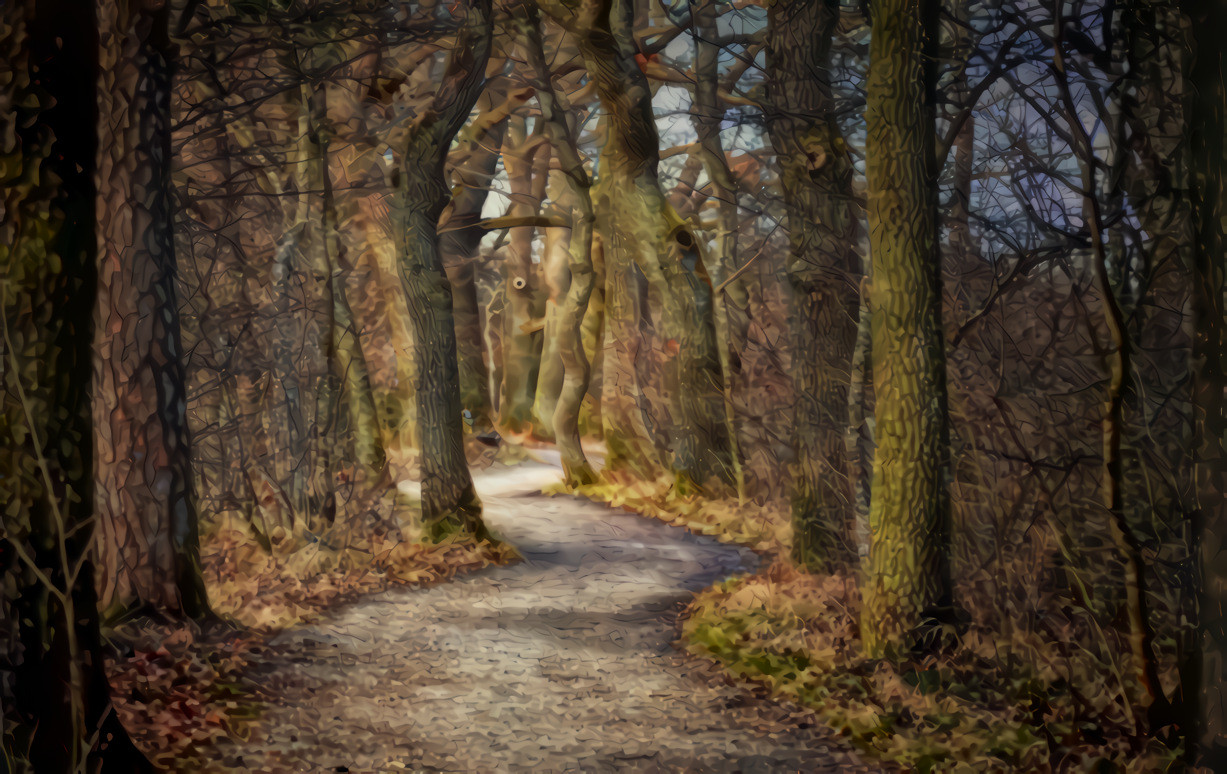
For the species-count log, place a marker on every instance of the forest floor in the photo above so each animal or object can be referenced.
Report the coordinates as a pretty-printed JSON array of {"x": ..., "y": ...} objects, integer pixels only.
[{"x": 562, "y": 662}]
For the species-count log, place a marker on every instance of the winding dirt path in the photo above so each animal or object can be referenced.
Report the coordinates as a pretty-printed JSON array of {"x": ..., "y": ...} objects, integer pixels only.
[{"x": 562, "y": 662}]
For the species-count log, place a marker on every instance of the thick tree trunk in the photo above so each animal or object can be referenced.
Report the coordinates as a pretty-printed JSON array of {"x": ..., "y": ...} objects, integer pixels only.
[
  {"x": 908, "y": 577},
  {"x": 56, "y": 705},
  {"x": 651, "y": 256},
  {"x": 1204, "y": 672},
  {"x": 824, "y": 272},
  {"x": 450, "y": 505},
  {"x": 148, "y": 553}
]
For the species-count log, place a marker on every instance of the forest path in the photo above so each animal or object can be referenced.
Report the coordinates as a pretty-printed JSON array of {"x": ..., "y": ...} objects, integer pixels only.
[{"x": 562, "y": 662}]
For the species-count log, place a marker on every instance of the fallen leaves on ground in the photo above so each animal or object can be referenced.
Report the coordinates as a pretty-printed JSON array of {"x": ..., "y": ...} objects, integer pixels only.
[{"x": 176, "y": 687}]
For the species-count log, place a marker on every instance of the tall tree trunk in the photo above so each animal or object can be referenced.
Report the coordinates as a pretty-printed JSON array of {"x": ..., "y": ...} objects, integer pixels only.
[
  {"x": 449, "y": 502},
  {"x": 526, "y": 161},
  {"x": 908, "y": 577},
  {"x": 148, "y": 552},
  {"x": 576, "y": 370},
  {"x": 824, "y": 272},
  {"x": 651, "y": 254},
  {"x": 473, "y": 165},
  {"x": 732, "y": 307},
  {"x": 1204, "y": 672},
  {"x": 56, "y": 704}
]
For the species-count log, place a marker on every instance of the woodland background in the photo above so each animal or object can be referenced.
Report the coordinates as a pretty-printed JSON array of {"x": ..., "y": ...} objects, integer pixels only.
[{"x": 924, "y": 300}]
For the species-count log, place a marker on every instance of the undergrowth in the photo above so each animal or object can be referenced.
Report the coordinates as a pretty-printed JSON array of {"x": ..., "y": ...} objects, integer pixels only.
[
  {"x": 763, "y": 526},
  {"x": 961, "y": 710}
]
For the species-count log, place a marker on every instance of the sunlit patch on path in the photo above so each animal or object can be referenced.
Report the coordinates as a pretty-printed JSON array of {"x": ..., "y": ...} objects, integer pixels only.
[{"x": 562, "y": 662}]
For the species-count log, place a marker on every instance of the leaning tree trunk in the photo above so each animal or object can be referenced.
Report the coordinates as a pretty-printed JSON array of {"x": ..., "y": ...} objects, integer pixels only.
[
  {"x": 450, "y": 505},
  {"x": 824, "y": 271},
  {"x": 55, "y": 704},
  {"x": 148, "y": 554},
  {"x": 908, "y": 575}
]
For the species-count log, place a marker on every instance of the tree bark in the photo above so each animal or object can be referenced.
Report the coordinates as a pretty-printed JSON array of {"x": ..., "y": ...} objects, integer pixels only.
[
  {"x": 908, "y": 576},
  {"x": 56, "y": 704},
  {"x": 148, "y": 554},
  {"x": 1204, "y": 672},
  {"x": 651, "y": 255},
  {"x": 581, "y": 275},
  {"x": 450, "y": 505},
  {"x": 1157, "y": 439},
  {"x": 824, "y": 272},
  {"x": 473, "y": 165},
  {"x": 526, "y": 161}
]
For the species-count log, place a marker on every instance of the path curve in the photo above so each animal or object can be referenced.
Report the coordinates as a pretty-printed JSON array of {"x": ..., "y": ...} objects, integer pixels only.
[{"x": 563, "y": 662}]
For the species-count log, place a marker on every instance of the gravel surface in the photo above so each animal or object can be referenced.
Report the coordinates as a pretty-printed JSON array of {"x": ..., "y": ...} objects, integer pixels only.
[{"x": 563, "y": 662}]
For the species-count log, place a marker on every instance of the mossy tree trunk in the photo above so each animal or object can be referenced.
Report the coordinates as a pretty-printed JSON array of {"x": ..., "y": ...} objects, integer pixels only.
[
  {"x": 908, "y": 573},
  {"x": 56, "y": 703},
  {"x": 824, "y": 272},
  {"x": 450, "y": 505},
  {"x": 651, "y": 256},
  {"x": 148, "y": 554}
]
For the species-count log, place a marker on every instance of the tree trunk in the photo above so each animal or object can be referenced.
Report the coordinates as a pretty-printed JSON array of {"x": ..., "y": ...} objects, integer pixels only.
[
  {"x": 824, "y": 273},
  {"x": 56, "y": 704},
  {"x": 526, "y": 161},
  {"x": 147, "y": 543},
  {"x": 908, "y": 576},
  {"x": 576, "y": 371},
  {"x": 651, "y": 255},
  {"x": 450, "y": 505},
  {"x": 556, "y": 272},
  {"x": 1119, "y": 355},
  {"x": 1204, "y": 672},
  {"x": 473, "y": 165},
  {"x": 1157, "y": 439},
  {"x": 732, "y": 308}
]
